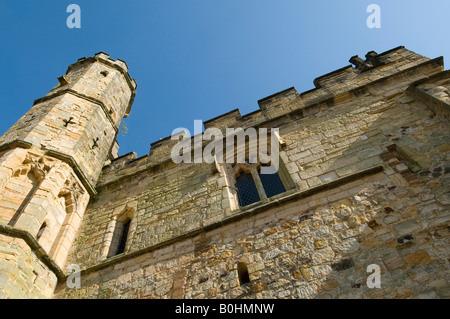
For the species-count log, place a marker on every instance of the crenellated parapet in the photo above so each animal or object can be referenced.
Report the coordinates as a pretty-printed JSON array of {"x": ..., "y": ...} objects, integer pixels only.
[{"x": 363, "y": 77}]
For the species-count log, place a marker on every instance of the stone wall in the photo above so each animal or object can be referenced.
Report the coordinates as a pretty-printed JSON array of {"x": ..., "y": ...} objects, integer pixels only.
[
  {"x": 24, "y": 271},
  {"x": 368, "y": 153},
  {"x": 318, "y": 246}
]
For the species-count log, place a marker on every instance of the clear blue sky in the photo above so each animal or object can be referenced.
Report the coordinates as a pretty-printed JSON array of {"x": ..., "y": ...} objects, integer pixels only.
[{"x": 199, "y": 59}]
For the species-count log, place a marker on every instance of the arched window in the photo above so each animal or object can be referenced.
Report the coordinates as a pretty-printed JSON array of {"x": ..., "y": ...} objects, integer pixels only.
[
  {"x": 119, "y": 237},
  {"x": 242, "y": 269},
  {"x": 67, "y": 218},
  {"x": 119, "y": 231},
  {"x": 253, "y": 186},
  {"x": 253, "y": 171},
  {"x": 125, "y": 227}
]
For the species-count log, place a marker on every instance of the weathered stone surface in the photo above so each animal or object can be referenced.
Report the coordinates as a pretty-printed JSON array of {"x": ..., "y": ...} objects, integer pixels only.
[{"x": 365, "y": 156}]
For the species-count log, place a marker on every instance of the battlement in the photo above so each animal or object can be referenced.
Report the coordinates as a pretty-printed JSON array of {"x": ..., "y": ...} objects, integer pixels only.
[
  {"x": 106, "y": 59},
  {"x": 364, "y": 77},
  {"x": 118, "y": 64}
]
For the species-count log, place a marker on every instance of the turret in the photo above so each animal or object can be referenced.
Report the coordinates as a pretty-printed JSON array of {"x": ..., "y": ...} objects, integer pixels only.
[
  {"x": 51, "y": 159},
  {"x": 78, "y": 120}
]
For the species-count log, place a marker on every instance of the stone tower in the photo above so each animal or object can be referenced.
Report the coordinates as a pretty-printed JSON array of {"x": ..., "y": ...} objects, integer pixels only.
[{"x": 50, "y": 161}]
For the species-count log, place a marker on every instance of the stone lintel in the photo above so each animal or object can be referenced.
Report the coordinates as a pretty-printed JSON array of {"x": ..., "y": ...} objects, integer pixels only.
[{"x": 16, "y": 144}]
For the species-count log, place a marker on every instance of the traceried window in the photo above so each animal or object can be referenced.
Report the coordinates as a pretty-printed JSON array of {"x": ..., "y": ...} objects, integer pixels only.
[
  {"x": 255, "y": 172},
  {"x": 252, "y": 186}
]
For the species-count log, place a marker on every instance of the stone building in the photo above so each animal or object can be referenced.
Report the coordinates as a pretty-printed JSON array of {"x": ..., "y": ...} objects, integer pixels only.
[{"x": 362, "y": 185}]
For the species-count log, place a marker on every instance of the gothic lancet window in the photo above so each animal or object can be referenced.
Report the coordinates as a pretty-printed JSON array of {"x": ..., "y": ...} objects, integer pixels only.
[{"x": 121, "y": 230}]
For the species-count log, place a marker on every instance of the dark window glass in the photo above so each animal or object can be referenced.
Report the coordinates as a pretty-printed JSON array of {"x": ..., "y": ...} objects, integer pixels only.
[
  {"x": 272, "y": 184},
  {"x": 247, "y": 192},
  {"x": 123, "y": 238}
]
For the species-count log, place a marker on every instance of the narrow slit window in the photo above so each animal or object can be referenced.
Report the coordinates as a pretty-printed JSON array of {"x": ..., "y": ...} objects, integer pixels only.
[
  {"x": 247, "y": 191},
  {"x": 41, "y": 231},
  {"x": 244, "y": 277},
  {"x": 272, "y": 184},
  {"x": 123, "y": 238}
]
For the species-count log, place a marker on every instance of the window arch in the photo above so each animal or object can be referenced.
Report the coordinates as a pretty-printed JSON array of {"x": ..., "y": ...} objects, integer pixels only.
[
  {"x": 67, "y": 219},
  {"x": 119, "y": 232},
  {"x": 122, "y": 233},
  {"x": 260, "y": 166},
  {"x": 252, "y": 186}
]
